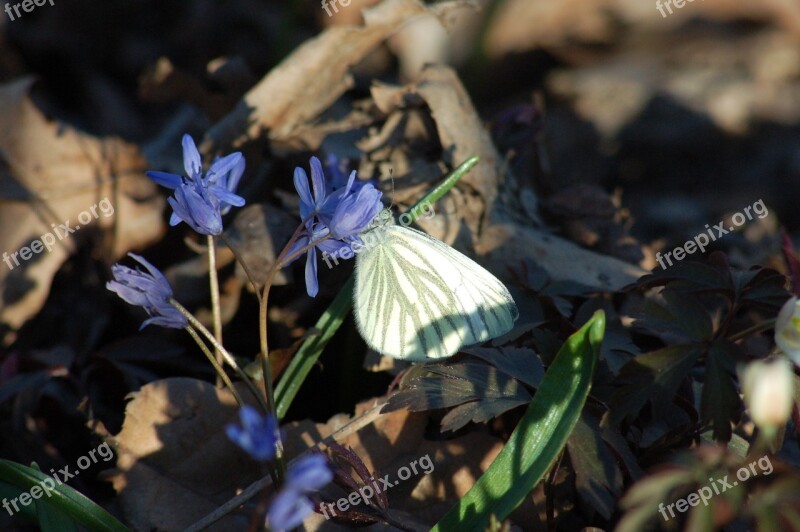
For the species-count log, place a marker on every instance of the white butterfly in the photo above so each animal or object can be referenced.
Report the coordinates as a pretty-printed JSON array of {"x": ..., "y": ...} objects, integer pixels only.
[{"x": 416, "y": 298}]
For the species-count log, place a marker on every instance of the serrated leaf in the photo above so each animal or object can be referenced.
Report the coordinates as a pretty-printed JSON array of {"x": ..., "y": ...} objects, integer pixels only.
[
  {"x": 689, "y": 276},
  {"x": 641, "y": 502},
  {"x": 762, "y": 287},
  {"x": 520, "y": 363},
  {"x": 720, "y": 403},
  {"x": 597, "y": 476},
  {"x": 488, "y": 391},
  {"x": 657, "y": 373},
  {"x": 680, "y": 316}
]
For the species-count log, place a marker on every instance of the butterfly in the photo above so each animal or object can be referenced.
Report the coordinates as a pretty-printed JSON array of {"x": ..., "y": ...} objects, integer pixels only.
[{"x": 416, "y": 298}]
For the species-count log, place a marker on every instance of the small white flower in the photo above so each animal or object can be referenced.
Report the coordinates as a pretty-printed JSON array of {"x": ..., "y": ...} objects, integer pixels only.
[
  {"x": 769, "y": 392},
  {"x": 787, "y": 329}
]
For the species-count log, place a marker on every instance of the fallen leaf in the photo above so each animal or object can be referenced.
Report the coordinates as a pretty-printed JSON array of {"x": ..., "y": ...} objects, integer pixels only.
[{"x": 54, "y": 175}]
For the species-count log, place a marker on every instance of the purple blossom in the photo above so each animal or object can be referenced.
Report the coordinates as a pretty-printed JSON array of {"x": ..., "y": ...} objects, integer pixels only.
[
  {"x": 257, "y": 435},
  {"x": 200, "y": 200},
  {"x": 291, "y": 505},
  {"x": 333, "y": 215},
  {"x": 150, "y": 291}
]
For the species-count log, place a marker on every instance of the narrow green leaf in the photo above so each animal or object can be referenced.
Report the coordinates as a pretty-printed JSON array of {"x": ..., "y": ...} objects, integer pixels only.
[
  {"x": 539, "y": 437},
  {"x": 61, "y": 497},
  {"x": 309, "y": 352},
  {"x": 334, "y": 315},
  {"x": 50, "y": 519}
]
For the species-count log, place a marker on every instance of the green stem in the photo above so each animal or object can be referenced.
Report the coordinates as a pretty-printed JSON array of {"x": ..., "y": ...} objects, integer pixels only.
[
  {"x": 247, "y": 272},
  {"x": 217, "y": 367},
  {"x": 225, "y": 355},
  {"x": 763, "y": 326},
  {"x": 215, "y": 309}
]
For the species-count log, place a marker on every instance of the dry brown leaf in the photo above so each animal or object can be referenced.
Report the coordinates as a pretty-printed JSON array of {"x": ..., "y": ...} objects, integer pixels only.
[
  {"x": 309, "y": 80},
  {"x": 522, "y": 25},
  {"x": 53, "y": 173},
  {"x": 506, "y": 242},
  {"x": 393, "y": 441},
  {"x": 175, "y": 463},
  {"x": 507, "y": 245}
]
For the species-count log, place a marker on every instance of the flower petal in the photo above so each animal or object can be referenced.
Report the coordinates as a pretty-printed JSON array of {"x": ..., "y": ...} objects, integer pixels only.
[
  {"x": 310, "y": 473},
  {"x": 191, "y": 157},
  {"x": 288, "y": 510},
  {"x": 221, "y": 167},
  {"x": 301, "y": 186},
  {"x": 165, "y": 179},
  {"x": 355, "y": 212},
  {"x": 312, "y": 285}
]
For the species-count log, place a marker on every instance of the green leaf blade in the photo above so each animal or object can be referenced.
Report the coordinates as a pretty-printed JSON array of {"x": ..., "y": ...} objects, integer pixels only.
[
  {"x": 62, "y": 498},
  {"x": 539, "y": 437}
]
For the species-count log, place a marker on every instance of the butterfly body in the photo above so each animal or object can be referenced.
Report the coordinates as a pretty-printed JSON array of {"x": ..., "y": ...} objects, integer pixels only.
[{"x": 416, "y": 298}]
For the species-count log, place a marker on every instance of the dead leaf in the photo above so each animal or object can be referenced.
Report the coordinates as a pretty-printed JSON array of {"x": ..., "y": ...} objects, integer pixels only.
[
  {"x": 308, "y": 81},
  {"x": 175, "y": 464},
  {"x": 55, "y": 174}
]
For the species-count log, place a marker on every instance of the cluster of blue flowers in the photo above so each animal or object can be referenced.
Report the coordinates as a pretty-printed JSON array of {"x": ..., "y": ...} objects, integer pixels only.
[
  {"x": 201, "y": 200},
  {"x": 258, "y": 437},
  {"x": 334, "y": 214}
]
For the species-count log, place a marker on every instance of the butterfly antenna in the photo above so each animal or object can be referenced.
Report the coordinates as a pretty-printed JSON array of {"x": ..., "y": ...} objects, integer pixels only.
[{"x": 391, "y": 178}]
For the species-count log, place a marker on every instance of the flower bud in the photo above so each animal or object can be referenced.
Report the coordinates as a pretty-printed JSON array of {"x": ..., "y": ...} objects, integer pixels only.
[
  {"x": 769, "y": 392},
  {"x": 787, "y": 329}
]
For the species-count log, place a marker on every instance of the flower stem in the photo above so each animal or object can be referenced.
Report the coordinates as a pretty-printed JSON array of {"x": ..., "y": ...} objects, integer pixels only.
[
  {"x": 215, "y": 309},
  {"x": 225, "y": 355},
  {"x": 240, "y": 260},
  {"x": 763, "y": 326},
  {"x": 220, "y": 371},
  {"x": 262, "y": 322}
]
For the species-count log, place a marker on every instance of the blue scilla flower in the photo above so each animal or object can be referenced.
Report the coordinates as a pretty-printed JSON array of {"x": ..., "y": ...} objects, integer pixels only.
[
  {"x": 150, "y": 291},
  {"x": 333, "y": 215},
  {"x": 258, "y": 435},
  {"x": 291, "y": 505},
  {"x": 201, "y": 200}
]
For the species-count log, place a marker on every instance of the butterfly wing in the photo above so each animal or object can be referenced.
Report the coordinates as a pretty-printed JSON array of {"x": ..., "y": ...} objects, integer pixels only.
[{"x": 417, "y": 298}]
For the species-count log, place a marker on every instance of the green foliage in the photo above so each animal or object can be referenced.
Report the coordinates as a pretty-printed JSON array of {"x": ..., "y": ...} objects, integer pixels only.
[
  {"x": 64, "y": 503},
  {"x": 699, "y": 308},
  {"x": 540, "y": 436}
]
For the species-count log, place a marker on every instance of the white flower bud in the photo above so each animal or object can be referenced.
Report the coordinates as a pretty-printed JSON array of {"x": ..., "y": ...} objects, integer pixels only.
[
  {"x": 787, "y": 329},
  {"x": 769, "y": 392}
]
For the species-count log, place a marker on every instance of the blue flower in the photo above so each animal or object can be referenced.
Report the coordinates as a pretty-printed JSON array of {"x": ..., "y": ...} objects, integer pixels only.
[
  {"x": 292, "y": 504},
  {"x": 257, "y": 436},
  {"x": 333, "y": 215},
  {"x": 150, "y": 291},
  {"x": 355, "y": 211},
  {"x": 200, "y": 200}
]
